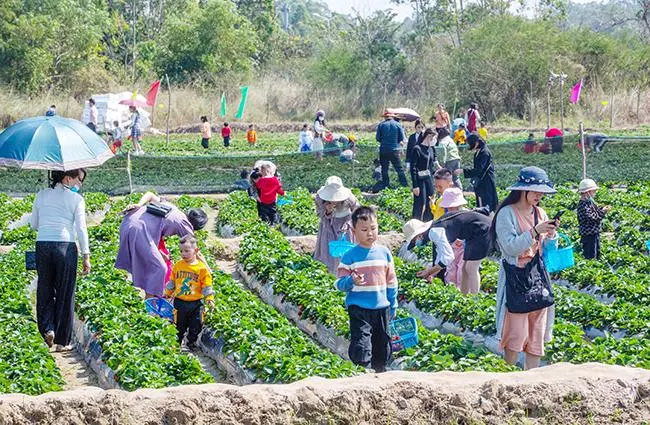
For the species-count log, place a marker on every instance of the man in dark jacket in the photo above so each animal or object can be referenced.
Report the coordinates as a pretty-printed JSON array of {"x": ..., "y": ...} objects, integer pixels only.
[{"x": 390, "y": 136}]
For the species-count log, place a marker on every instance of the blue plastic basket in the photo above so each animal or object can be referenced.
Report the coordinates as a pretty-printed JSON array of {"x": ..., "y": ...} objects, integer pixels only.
[
  {"x": 403, "y": 333},
  {"x": 287, "y": 200},
  {"x": 340, "y": 247},
  {"x": 558, "y": 259},
  {"x": 160, "y": 307}
]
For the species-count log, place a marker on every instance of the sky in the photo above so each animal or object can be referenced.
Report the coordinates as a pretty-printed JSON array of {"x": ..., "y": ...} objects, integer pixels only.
[{"x": 366, "y": 7}]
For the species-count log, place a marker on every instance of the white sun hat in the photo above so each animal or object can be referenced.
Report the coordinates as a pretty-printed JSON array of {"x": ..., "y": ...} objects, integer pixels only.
[
  {"x": 413, "y": 228},
  {"x": 587, "y": 185},
  {"x": 334, "y": 191}
]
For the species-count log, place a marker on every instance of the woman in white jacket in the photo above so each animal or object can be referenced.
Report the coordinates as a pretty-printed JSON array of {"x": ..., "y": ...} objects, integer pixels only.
[{"x": 59, "y": 217}]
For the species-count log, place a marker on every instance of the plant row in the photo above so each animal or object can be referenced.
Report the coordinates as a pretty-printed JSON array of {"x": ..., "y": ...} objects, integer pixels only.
[
  {"x": 306, "y": 283},
  {"x": 141, "y": 349},
  {"x": 26, "y": 365},
  {"x": 477, "y": 313}
]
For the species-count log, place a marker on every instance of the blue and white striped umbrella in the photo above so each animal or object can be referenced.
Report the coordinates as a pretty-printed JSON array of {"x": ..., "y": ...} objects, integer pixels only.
[{"x": 52, "y": 143}]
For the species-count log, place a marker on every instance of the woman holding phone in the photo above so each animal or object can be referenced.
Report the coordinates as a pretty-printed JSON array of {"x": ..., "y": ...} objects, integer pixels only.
[{"x": 521, "y": 230}]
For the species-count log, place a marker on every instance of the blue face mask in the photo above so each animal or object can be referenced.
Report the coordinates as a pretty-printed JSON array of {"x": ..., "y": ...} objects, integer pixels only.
[{"x": 75, "y": 189}]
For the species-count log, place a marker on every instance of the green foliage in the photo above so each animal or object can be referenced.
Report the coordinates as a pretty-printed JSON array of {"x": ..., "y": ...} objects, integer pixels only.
[
  {"x": 45, "y": 43},
  {"x": 207, "y": 39}
]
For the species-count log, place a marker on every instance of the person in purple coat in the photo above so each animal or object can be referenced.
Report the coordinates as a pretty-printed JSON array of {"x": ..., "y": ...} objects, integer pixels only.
[{"x": 140, "y": 234}]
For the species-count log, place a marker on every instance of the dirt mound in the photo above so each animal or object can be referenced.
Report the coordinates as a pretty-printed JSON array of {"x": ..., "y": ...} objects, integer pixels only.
[{"x": 558, "y": 394}]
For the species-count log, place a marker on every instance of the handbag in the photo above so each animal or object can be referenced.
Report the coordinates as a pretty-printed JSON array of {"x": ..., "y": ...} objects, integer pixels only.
[
  {"x": 30, "y": 260},
  {"x": 159, "y": 209},
  {"x": 528, "y": 288},
  {"x": 423, "y": 174}
]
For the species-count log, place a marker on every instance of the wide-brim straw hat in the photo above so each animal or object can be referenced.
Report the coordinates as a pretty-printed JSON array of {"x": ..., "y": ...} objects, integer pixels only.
[
  {"x": 587, "y": 185},
  {"x": 533, "y": 179},
  {"x": 413, "y": 228},
  {"x": 334, "y": 191},
  {"x": 453, "y": 197}
]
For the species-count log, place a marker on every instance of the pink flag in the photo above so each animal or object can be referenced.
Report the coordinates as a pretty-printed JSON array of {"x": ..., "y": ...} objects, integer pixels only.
[
  {"x": 153, "y": 93},
  {"x": 575, "y": 92}
]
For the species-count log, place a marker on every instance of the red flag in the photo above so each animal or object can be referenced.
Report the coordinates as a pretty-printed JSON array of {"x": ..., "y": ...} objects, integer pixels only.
[
  {"x": 575, "y": 92},
  {"x": 153, "y": 93}
]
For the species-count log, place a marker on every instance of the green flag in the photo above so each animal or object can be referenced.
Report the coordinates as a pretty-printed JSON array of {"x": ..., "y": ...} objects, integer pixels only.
[
  {"x": 223, "y": 105},
  {"x": 242, "y": 103}
]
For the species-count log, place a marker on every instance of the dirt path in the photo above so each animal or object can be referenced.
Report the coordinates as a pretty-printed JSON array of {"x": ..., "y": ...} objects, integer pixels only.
[
  {"x": 74, "y": 370},
  {"x": 208, "y": 365}
]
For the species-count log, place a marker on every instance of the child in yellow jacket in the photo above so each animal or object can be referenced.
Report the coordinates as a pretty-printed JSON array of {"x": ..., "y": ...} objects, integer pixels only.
[{"x": 190, "y": 284}]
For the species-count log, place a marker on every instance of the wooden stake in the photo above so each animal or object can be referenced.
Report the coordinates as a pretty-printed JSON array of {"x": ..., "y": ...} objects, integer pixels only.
[
  {"x": 584, "y": 152},
  {"x": 611, "y": 108},
  {"x": 128, "y": 170},
  {"x": 169, "y": 104}
]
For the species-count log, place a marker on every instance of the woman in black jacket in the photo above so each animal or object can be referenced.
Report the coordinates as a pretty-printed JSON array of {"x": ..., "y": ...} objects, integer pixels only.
[
  {"x": 413, "y": 141},
  {"x": 482, "y": 175},
  {"x": 423, "y": 165}
]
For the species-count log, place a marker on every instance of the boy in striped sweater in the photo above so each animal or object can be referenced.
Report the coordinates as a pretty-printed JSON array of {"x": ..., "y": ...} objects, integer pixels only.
[{"x": 366, "y": 274}]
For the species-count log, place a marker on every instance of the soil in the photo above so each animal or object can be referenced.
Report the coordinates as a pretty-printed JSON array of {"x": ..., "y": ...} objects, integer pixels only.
[
  {"x": 74, "y": 370},
  {"x": 558, "y": 394}
]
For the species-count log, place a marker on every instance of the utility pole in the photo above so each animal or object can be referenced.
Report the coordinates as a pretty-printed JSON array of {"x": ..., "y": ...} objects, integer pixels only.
[{"x": 133, "y": 16}]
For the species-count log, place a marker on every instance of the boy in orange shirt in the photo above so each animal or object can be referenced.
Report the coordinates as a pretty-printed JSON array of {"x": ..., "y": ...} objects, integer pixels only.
[
  {"x": 251, "y": 135},
  {"x": 190, "y": 284}
]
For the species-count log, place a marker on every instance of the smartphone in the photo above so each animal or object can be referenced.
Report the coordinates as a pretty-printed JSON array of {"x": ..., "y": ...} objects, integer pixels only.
[{"x": 558, "y": 215}]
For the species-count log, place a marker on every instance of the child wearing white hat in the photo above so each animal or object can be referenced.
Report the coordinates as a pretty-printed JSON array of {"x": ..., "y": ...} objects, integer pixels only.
[{"x": 590, "y": 217}]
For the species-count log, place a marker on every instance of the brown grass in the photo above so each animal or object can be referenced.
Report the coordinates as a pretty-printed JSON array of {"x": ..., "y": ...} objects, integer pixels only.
[{"x": 275, "y": 99}]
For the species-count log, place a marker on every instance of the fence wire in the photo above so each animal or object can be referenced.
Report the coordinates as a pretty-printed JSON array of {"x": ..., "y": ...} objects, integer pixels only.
[{"x": 624, "y": 158}]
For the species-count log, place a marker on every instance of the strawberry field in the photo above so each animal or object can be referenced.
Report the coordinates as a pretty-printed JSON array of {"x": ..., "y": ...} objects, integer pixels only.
[{"x": 278, "y": 317}]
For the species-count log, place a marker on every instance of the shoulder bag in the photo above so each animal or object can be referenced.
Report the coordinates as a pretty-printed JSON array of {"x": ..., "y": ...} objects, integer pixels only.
[
  {"x": 528, "y": 288},
  {"x": 159, "y": 209}
]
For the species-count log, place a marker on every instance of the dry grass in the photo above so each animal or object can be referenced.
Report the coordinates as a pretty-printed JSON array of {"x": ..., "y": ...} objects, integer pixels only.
[{"x": 276, "y": 99}]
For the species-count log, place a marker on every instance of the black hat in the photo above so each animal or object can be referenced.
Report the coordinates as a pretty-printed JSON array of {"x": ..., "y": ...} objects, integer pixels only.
[{"x": 197, "y": 218}]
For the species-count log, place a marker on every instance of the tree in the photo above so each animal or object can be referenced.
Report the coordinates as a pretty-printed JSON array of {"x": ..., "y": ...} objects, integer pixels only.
[
  {"x": 45, "y": 43},
  {"x": 208, "y": 40}
]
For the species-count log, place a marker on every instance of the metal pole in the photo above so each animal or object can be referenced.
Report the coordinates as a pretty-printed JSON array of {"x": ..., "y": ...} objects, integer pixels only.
[
  {"x": 548, "y": 104},
  {"x": 561, "y": 85},
  {"x": 584, "y": 152}
]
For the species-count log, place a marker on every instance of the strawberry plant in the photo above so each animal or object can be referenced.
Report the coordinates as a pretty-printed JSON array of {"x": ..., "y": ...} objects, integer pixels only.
[
  {"x": 300, "y": 214},
  {"x": 239, "y": 212}
]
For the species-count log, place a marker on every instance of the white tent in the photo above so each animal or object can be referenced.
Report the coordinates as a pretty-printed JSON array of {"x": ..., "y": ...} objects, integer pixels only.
[{"x": 109, "y": 110}]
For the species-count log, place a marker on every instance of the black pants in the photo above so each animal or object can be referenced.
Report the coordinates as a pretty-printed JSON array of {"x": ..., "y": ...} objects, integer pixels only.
[
  {"x": 188, "y": 319},
  {"x": 590, "y": 246},
  {"x": 369, "y": 338},
  {"x": 557, "y": 144},
  {"x": 205, "y": 142},
  {"x": 599, "y": 143},
  {"x": 392, "y": 157},
  {"x": 226, "y": 141},
  {"x": 92, "y": 127},
  {"x": 56, "y": 264},
  {"x": 421, "y": 206},
  {"x": 267, "y": 212}
]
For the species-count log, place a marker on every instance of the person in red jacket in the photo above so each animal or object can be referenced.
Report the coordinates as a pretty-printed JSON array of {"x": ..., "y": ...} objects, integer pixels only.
[
  {"x": 269, "y": 187},
  {"x": 225, "y": 133}
]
